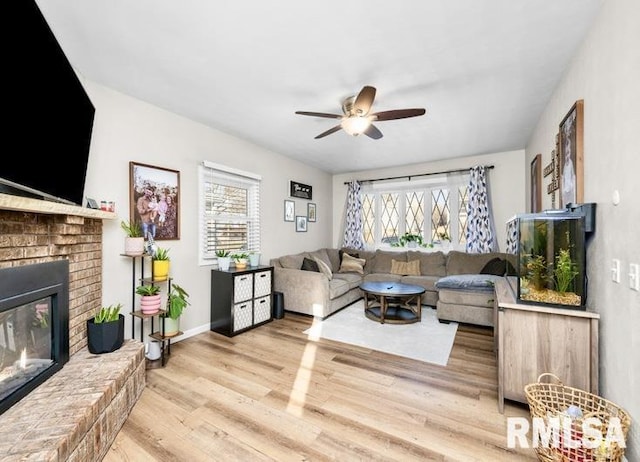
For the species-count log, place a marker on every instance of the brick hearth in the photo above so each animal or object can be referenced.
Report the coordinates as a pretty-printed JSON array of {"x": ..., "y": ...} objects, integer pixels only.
[{"x": 76, "y": 414}]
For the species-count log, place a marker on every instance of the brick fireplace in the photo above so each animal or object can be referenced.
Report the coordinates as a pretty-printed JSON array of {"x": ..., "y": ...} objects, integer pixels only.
[{"x": 75, "y": 414}]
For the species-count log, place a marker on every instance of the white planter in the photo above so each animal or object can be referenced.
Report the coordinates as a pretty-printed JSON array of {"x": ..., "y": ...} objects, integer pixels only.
[
  {"x": 134, "y": 246},
  {"x": 224, "y": 263},
  {"x": 254, "y": 259}
]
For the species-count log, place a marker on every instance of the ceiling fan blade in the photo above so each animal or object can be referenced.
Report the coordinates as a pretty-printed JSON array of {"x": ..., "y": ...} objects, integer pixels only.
[
  {"x": 329, "y": 132},
  {"x": 364, "y": 100},
  {"x": 399, "y": 114},
  {"x": 373, "y": 132},
  {"x": 320, "y": 114}
]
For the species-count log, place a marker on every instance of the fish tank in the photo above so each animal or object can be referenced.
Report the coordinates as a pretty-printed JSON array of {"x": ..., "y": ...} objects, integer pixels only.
[{"x": 551, "y": 259}]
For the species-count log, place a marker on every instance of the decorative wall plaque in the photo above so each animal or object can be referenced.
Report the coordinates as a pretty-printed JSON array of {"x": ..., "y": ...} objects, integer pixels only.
[{"x": 300, "y": 190}]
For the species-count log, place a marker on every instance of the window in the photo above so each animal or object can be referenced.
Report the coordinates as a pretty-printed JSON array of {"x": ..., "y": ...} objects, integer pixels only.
[
  {"x": 423, "y": 207},
  {"x": 229, "y": 210}
]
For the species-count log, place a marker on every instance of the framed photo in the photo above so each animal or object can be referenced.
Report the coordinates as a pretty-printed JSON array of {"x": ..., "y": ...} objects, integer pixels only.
[
  {"x": 536, "y": 184},
  {"x": 289, "y": 210},
  {"x": 154, "y": 194},
  {"x": 311, "y": 212},
  {"x": 301, "y": 224},
  {"x": 303, "y": 191},
  {"x": 571, "y": 156}
]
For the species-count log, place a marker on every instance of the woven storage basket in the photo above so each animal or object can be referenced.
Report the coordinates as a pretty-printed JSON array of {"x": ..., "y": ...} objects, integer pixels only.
[{"x": 553, "y": 400}]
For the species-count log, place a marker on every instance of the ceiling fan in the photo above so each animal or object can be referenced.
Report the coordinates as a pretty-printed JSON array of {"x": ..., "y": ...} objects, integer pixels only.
[{"x": 357, "y": 119}]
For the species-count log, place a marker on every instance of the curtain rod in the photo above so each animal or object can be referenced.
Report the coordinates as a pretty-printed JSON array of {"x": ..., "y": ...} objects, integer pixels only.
[{"x": 415, "y": 176}]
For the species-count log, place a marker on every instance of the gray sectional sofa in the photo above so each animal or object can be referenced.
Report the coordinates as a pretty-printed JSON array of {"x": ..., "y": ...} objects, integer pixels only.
[{"x": 453, "y": 282}]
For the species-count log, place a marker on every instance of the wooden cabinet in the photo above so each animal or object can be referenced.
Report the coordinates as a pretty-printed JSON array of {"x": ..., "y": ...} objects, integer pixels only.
[
  {"x": 534, "y": 339},
  {"x": 240, "y": 299}
]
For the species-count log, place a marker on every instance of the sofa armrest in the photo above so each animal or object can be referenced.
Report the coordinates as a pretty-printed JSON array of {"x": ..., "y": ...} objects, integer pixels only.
[{"x": 304, "y": 291}]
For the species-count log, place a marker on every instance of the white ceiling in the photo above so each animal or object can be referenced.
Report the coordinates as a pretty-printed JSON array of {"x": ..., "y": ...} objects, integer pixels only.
[{"x": 483, "y": 69}]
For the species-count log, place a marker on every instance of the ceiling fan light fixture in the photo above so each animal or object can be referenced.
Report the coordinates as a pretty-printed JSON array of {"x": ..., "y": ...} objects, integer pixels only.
[{"x": 355, "y": 125}]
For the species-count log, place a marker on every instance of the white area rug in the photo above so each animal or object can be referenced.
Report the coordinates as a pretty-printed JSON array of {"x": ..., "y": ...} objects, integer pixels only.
[{"x": 428, "y": 340}]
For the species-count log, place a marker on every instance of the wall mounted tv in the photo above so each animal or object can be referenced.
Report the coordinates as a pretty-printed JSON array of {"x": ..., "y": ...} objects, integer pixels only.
[{"x": 49, "y": 116}]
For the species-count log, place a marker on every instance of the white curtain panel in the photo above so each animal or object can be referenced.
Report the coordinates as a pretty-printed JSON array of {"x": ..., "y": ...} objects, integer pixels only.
[
  {"x": 353, "y": 223},
  {"x": 480, "y": 235}
]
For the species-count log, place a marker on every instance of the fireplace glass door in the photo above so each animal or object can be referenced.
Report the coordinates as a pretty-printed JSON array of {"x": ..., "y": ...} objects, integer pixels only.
[{"x": 25, "y": 344}]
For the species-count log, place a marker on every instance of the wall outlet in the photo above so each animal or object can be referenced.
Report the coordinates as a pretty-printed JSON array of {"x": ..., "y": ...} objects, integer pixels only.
[
  {"x": 615, "y": 270},
  {"x": 634, "y": 276}
]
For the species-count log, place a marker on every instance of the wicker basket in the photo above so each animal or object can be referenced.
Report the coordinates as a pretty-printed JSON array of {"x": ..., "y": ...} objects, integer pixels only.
[{"x": 555, "y": 400}]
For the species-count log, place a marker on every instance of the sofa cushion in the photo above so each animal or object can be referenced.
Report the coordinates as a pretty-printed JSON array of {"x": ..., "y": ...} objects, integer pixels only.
[
  {"x": 496, "y": 266},
  {"x": 322, "y": 255},
  {"x": 338, "y": 287},
  {"x": 292, "y": 261},
  {"x": 309, "y": 264},
  {"x": 324, "y": 268},
  {"x": 383, "y": 260},
  {"x": 468, "y": 263},
  {"x": 405, "y": 268},
  {"x": 334, "y": 258},
  {"x": 382, "y": 277},
  {"x": 351, "y": 264},
  {"x": 368, "y": 255},
  {"x": 431, "y": 263},
  {"x": 476, "y": 298},
  {"x": 473, "y": 282},
  {"x": 354, "y": 279},
  {"x": 428, "y": 282}
]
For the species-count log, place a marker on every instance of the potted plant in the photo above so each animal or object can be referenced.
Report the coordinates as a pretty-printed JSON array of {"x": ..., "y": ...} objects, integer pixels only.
[
  {"x": 254, "y": 258},
  {"x": 240, "y": 259},
  {"x": 150, "y": 298},
  {"x": 224, "y": 259},
  {"x": 133, "y": 241},
  {"x": 177, "y": 301},
  {"x": 161, "y": 264},
  {"x": 409, "y": 240},
  {"x": 105, "y": 331}
]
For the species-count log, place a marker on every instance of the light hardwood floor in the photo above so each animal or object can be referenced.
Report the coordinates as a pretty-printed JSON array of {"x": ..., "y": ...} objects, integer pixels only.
[{"x": 271, "y": 394}]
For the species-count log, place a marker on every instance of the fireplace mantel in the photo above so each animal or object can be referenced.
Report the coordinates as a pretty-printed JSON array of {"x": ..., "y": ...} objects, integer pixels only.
[{"x": 26, "y": 204}]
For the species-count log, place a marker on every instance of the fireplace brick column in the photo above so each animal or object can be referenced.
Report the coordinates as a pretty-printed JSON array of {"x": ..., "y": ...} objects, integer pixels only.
[{"x": 28, "y": 238}]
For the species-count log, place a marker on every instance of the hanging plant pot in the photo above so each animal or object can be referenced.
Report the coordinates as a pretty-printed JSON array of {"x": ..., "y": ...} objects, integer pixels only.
[
  {"x": 105, "y": 337},
  {"x": 150, "y": 304},
  {"x": 160, "y": 270}
]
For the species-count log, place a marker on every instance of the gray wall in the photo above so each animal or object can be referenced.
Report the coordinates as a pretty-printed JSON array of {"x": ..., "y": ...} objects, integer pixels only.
[
  {"x": 127, "y": 129},
  {"x": 605, "y": 73}
]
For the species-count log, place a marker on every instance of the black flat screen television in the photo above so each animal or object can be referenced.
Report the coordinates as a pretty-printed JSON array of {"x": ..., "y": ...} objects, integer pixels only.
[{"x": 49, "y": 116}]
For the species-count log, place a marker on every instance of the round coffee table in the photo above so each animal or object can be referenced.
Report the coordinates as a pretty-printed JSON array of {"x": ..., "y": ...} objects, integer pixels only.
[{"x": 391, "y": 302}]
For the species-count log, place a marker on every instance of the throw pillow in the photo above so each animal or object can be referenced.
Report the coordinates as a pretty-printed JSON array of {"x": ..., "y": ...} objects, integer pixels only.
[
  {"x": 342, "y": 252},
  {"x": 351, "y": 264},
  {"x": 405, "y": 268},
  {"x": 496, "y": 266},
  {"x": 309, "y": 265},
  {"x": 324, "y": 268}
]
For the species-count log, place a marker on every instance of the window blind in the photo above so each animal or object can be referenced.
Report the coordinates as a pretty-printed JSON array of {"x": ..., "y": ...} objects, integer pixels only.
[{"x": 229, "y": 210}]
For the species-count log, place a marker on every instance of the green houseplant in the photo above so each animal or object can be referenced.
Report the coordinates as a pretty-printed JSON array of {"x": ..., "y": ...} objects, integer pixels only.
[
  {"x": 224, "y": 259},
  {"x": 177, "y": 301},
  {"x": 133, "y": 241},
  {"x": 410, "y": 240},
  {"x": 240, "y": 259},
  {"x": 105, "y": 331}
]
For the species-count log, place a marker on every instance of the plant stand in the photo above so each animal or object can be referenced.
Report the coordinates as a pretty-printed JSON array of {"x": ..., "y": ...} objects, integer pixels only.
[{"x": 156, "y": 334}]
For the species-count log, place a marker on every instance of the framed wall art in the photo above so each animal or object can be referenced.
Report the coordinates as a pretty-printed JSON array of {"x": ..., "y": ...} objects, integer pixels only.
[
  {"x": 571, "y": 156},
  {"x": 289, "y": 210},
  {"x": 301, "y": 224},
  {"x": 536, "y": 184},
  {"x": 311, "y": 212},
  {"x": 154, "y": 201},
  {"x": 303, "y": 191}
]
